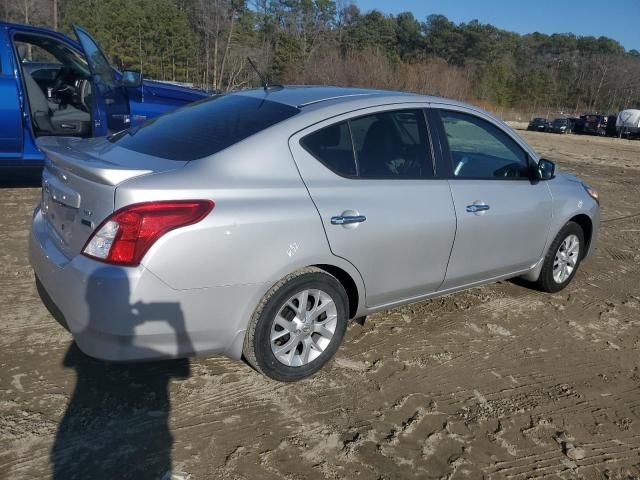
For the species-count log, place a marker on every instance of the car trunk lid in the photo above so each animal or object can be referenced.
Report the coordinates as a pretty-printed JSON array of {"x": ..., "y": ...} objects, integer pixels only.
[{"x": 79, "y": 182}]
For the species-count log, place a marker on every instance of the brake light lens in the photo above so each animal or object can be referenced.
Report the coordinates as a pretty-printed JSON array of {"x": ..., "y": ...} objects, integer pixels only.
[{"x": 126, "y": 236}]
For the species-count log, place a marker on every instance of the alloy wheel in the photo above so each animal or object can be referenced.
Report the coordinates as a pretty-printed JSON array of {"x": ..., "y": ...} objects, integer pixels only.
[
  {"x": 303, "y": 327},
  {"x": 566, "y": 258}
]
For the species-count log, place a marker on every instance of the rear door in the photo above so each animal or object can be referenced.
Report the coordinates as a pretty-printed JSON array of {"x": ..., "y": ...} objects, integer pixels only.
[
  {"x": 371, "y": 177},
  {"x": 110, "y": 112},
  {"x": 503, "y": 216}
]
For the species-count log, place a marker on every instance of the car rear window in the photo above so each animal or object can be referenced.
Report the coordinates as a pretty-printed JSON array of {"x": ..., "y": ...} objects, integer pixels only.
[{"x": 203, "y": 128}]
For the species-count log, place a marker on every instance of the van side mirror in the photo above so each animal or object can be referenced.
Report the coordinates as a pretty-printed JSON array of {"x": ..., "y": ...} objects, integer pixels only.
[
  {"x": 546, "y": 169},
  {"x": 131, "y": 79}
]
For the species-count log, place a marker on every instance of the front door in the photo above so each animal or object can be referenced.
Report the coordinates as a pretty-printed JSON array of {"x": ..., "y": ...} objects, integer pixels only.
[
  {"x": 503, "y": 216},
  {"x": 110, "y": 112},
  {"x": 372, "y": 180}
]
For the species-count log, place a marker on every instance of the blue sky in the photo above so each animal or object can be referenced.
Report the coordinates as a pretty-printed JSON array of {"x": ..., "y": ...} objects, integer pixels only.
[{"x": 617, "y": 19}]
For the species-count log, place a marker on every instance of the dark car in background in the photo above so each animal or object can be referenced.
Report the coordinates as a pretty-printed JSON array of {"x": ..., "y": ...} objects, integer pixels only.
[
  {"x": 538, "y": 124},
  {"x": 611, "y": 130},
  {"x": 595, "y": 124},
  {"x": 578, "y": 126},
  {"x": 562, "y": 125}
]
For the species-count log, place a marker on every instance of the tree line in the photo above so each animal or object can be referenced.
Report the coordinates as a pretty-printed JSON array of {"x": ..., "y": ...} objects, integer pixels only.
[{"x": 206, "y": 42}]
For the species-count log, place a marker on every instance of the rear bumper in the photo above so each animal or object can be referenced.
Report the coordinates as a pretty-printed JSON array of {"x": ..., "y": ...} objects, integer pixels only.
[{"x": 125, "y": 313}]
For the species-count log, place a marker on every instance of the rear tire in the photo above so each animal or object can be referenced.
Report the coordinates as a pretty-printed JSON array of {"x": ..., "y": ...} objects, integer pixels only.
[
  {"x": 298, "y": 326},
  {"x": 562, "y": 259}
]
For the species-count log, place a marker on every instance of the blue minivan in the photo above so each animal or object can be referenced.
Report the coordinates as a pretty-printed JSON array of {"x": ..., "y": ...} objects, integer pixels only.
[{"x": 51, "y": 85}]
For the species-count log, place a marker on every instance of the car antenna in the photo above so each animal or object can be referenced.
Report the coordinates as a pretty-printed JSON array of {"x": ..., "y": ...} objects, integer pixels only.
[{"x": 263, "y": 79}]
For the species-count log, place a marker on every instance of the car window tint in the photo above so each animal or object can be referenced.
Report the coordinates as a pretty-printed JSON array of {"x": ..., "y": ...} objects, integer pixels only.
[
  {"x": 332, "y": 146},
  {"x": 392, "y": 145},
  {"x": 103, "y": 73},
  {"x": 203, "y": 128},
  {"x": 481, "y": 150}
]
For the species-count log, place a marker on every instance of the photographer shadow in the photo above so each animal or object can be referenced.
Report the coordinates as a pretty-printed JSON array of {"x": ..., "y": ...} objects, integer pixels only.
[{"x": 116, "y": 424}]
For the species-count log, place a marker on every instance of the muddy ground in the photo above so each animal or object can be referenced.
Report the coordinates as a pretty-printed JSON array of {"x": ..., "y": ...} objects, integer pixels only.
[{"x": 498, "y": 382}]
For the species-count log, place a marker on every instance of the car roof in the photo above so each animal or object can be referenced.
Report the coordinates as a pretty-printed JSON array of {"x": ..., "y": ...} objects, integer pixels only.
[{"x": 306, "y": 97}]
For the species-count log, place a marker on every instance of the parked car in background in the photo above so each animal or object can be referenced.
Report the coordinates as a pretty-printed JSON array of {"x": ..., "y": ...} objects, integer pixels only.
[
  {"x": 538, "y": 124},
  {"x": 258, "y": 223},
  {"x": 51, "y": 85},
  {"x": 628, "y": 123},
  {"x": 595, "y": 124},
  {"x": 562, "y": 125},
  {"x": 611, "y": 129},
  {"x": 578, "y": 125}
]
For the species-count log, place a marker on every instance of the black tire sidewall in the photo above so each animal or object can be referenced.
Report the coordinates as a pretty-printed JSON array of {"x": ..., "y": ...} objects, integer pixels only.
[
  {"x": 548, "y": 282},
  {"x": 269, "y": 364}
]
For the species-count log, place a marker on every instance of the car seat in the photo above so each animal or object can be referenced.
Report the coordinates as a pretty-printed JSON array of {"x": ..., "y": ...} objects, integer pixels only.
[{"x": 69, "y": 121}]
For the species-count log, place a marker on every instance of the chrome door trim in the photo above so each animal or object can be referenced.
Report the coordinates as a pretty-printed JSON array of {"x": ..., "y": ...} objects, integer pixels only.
[{"x": 347, "y": 219}]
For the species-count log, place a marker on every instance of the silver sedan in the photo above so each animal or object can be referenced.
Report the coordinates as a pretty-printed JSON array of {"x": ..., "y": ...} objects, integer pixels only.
[{"x": 259, "y": 223}]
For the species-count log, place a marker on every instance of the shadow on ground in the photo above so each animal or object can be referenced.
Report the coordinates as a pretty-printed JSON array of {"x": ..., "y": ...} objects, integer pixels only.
[{"x": 116, "y": 424}]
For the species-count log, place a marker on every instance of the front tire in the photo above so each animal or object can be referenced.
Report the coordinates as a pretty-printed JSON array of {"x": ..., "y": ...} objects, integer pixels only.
[
  {"x": 298, "y": 326},
  {"x": 563, "y": 259}
]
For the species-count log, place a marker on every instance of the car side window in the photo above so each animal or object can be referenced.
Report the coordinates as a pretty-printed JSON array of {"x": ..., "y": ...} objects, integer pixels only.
[
  {"x": 332, "y": 146},
  {"x": 481, "y": 150},
  {"x": 385, "y": 145},
  {"x": 392, "y": 145}
]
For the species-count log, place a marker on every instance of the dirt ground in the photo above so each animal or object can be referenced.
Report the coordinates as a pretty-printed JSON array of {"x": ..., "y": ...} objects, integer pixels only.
[{"x": 497, "y": 382}]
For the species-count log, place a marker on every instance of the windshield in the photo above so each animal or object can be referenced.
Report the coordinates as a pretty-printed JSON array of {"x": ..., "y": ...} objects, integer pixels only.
[
  {"x": 560, "y": 121},
  {"x": 203, "y": 128}
]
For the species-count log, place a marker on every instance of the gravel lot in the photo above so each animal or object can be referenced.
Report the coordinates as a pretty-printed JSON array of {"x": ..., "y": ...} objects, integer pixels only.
[{"x": 497, "y": 382}]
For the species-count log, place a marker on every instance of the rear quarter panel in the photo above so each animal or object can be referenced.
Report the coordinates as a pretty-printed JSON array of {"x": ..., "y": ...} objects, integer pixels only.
[{"x": 263, "y": 226}]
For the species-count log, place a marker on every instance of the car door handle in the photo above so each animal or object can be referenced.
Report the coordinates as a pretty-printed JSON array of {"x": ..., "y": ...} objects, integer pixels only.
[
  {"x": 477, "y": 207},
  {"x": 347, "y": 219}
]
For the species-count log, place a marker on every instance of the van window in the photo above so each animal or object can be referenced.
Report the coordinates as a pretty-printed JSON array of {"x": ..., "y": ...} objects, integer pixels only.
[{"x": 203, "y": 128}]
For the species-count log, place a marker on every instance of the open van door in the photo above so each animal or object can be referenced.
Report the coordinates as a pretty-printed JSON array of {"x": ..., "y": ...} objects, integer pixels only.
[{"x": 110, "y": 106}]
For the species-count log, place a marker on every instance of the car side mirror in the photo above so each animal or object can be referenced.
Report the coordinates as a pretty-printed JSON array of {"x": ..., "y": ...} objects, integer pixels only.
[
  {"x": 131, "y": 79},
  {"x": 546, "y": 169}
]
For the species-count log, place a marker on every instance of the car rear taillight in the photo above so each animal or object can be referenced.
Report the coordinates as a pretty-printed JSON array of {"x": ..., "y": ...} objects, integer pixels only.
[{"x": 125, "y": 236}]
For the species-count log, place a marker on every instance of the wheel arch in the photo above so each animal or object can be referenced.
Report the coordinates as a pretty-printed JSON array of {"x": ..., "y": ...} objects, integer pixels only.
[
  {"x": 585, "y": 222},
  {"x": 348, "y": 283}
]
